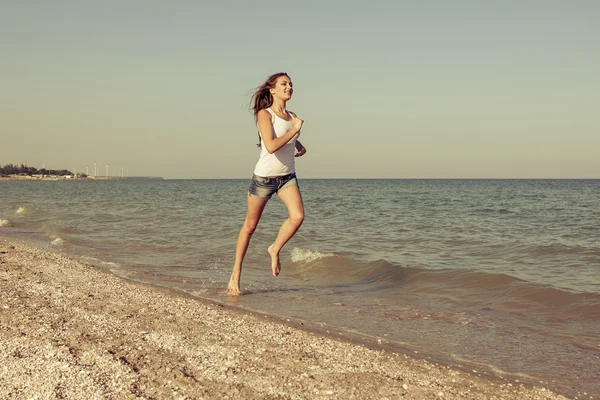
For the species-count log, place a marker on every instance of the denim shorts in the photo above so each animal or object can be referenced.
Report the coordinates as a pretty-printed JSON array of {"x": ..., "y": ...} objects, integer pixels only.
[{"x": 262, "y": 188}]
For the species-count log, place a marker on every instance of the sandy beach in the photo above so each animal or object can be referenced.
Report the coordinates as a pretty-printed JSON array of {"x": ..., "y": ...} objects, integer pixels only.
[{"x": 68, "y": 330}]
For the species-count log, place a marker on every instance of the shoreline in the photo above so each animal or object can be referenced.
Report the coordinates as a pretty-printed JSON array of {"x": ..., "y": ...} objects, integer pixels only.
[
  {"x": 58, "y": 178},
  {"x": 63, "y": 321}
]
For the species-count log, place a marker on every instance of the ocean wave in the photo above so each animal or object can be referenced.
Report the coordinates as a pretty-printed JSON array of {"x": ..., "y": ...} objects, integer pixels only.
[
  {"x": 54, "y": 231},
  {"x": 305, "y": 255},
  {"x": 326, "y": 268},
  {"x": 25, "y": 211},
  {"x": 460, "y": 287},
  {"x": 558, "y": 249}
]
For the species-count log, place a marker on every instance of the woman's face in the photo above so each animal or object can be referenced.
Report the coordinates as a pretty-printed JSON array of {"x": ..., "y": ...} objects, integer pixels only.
[{"x": 283, "y": 88}]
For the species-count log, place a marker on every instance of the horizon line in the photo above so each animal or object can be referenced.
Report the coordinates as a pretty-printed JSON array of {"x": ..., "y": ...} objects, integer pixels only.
[{"x": 381, "y": 178}]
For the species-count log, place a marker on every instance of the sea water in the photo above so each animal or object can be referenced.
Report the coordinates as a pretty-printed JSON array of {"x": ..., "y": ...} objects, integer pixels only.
[{"x": 496, "y": 275}]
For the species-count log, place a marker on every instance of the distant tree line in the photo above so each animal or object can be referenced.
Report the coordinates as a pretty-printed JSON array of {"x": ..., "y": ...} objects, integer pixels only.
[{"x": 11, "y": 169}]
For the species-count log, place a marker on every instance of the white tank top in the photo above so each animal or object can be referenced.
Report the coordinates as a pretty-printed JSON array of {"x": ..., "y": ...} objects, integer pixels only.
[{"x": 281, "y": 162}]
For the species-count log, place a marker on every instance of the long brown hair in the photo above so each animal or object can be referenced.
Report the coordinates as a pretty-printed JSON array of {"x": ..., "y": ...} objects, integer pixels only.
[{"x": 262, "y": 99}]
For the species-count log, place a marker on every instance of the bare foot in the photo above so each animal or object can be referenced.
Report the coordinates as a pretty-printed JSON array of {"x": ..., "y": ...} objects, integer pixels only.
[
  {"x": 233, "y": 287},
  {"x": 275, "y": 264}
]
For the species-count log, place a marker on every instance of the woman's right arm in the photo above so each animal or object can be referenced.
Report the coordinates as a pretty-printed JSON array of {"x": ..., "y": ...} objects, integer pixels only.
[{"x": 265, "y": 127}]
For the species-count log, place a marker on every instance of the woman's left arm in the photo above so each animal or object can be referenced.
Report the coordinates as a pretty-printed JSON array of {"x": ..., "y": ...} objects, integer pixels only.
[{"x": 301, "y": 150}]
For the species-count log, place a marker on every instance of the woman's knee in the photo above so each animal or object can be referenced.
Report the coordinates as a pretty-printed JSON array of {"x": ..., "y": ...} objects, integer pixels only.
[{"x": 297, "y": 218}]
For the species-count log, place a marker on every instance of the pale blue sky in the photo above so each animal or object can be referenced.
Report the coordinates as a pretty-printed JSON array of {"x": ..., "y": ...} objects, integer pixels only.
[{"x": 393, "y": 89}]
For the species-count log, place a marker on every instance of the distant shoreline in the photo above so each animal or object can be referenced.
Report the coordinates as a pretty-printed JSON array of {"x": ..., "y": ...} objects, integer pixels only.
[{"x": 58, "y": 178}]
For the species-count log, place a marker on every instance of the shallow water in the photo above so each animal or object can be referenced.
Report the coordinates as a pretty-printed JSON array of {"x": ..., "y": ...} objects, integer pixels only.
[{"x": 498, "y": 274}]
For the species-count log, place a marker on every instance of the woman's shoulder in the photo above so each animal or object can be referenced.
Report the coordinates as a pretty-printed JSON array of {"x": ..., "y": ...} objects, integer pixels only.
[{"x": 265, "y": 115}]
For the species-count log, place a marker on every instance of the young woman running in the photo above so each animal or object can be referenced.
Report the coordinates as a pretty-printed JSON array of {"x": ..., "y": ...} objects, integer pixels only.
[{"x": 278, "y": 131}]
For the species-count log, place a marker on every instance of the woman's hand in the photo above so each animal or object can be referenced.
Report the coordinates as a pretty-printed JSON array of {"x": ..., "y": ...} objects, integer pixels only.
[
  {"x": 296, "y": 123},
  {"x": 301, "y": 150}
]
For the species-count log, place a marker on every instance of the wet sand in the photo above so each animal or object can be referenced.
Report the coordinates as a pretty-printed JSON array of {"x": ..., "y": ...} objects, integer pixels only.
[{"x": 68, "y": 330}]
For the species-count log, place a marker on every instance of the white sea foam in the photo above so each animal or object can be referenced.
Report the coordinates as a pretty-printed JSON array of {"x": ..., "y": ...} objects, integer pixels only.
[
  {"x": 97, "y": 262},
  {"x": 5, "y": 222},
  {"x": 21, "y": 210},
  {"x": 58, "y": 241},
  {"x": 306, "y": 255},
  {"x": 108, "y": 264}
]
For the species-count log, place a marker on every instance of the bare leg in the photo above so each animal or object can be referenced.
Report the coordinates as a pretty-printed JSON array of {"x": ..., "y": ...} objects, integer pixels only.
[
  {"x": 255, "y": 209},
  {"x": 292, "y": 199}
]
